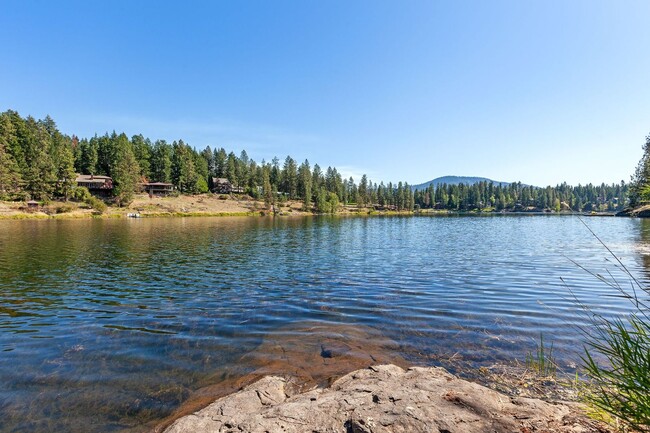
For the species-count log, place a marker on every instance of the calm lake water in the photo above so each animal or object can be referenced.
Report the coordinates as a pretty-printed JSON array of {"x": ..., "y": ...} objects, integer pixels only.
[{"x": 108, "y": 325}]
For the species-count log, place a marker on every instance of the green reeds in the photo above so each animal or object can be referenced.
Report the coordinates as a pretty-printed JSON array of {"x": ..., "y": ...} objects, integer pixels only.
[
  {"x": 622, "y": 388},
  {"x": 617, "y": 354},
  {"x": 542, "y": 361}
]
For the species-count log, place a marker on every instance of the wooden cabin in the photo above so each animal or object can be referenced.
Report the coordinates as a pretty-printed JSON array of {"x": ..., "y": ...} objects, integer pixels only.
[
  {"x": 158, "y": 188},
  {"x": 221, "y": 185},
  {"x": 99, "y": 185}
]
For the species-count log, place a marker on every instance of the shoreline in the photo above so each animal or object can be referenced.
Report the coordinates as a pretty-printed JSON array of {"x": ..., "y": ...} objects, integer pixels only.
[
  {"x": 381, "y": 397},
  {"x": 213, "y": 206},
  {"x": 310, "y": 360}
]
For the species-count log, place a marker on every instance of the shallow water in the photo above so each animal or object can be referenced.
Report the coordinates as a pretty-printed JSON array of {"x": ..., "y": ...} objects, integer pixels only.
[{"x": 109, "y": 325}]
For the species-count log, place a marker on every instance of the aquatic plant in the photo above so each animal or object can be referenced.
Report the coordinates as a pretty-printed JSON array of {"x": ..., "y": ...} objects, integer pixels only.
[{"x": 542, "y": 362}]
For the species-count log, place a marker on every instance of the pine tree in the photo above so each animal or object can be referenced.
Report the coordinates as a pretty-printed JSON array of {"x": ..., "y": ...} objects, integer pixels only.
[
  {"x": 640, "y": 185},
  {"x": 290, "y": 178},
  {"x": 9, "y": 173},
  {"x": 304, "y": 185},
  {"x": 161, "y": 162},
  {"x": 268, "y": 189},
  {"x": 142, "y": 152},
  {"x": 220, "y": 159},
  {"x": 88, "y": 157},
  {"x": 40, "y": 173},
  {"x": 125, "y": 172},
  {"x": 63, "y": 160}
]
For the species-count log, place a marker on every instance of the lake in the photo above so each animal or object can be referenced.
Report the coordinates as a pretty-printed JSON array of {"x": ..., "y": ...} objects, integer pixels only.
[{"x": 109, "y": 325}]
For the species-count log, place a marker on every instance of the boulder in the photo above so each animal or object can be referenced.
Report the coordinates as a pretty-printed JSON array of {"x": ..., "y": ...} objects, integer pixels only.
[{"x": 378, "y": 399}]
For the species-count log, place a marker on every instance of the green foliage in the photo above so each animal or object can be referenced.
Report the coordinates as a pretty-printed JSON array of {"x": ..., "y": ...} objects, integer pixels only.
[
  {"x": 639, "y": 191},
  {"x": 97, "y": 204},
  {"x": 201, "y": 185},
  {"x": 290, "y": 178},
  {"x": 269, "y": 193},
  {"x": 126, "y": 171},
  {"x": 617, "y": 355},
  {"x": 542, "y": 361},
  {"x": 63, "y": 159},
  {"x": 10, "y": 178},
  {"x": 63, "y": 208},
  {"x": 88, "y": 157},
  {"x": 161, "y": 162},
  {"x": 516, "y": 196},
  {"x": 304, "y": 185},
  {"x": 622, "y": 385},
  {"x": 333, "y": 201},
  {"x": 142, "y": 152},
  {"x": 326, "y": 202},
  {"x": 80, "y": 193},
  {"x": 36, "y": 160}
]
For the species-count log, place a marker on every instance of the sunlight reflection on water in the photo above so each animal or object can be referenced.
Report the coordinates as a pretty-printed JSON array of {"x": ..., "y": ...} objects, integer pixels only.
[{"x": 108, "y": 325}]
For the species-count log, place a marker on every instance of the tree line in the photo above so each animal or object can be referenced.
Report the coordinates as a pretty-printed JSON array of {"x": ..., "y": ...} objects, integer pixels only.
[
  {"x": 519, "y": 197},
  {"x": 38, "y": 161}
]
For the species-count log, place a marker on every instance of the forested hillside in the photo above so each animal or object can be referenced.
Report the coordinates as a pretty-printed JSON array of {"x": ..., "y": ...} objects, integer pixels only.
[
  {"x": 38, "y": 161},
  {"x": 518, "y": 197},
  {"x": 468, "y": 180}
]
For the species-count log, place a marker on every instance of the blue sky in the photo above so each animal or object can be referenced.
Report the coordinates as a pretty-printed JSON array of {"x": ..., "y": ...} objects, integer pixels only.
[{"x": 537, "y": 91}]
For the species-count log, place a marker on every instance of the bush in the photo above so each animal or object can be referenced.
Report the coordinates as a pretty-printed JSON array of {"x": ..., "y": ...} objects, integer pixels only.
[
  {"x": 202, "y": 186},
  {"x": 64, "y": 208},
  {"x": 80, "y": 193},
  {"x": 96, "y": 204}
]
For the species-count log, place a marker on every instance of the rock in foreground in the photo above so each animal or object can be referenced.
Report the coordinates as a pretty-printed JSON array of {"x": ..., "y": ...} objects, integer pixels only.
[{"x": 382, "y": 399}]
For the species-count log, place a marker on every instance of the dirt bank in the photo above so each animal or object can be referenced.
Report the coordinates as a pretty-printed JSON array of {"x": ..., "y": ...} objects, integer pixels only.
[{"x": 145, "y": 206}]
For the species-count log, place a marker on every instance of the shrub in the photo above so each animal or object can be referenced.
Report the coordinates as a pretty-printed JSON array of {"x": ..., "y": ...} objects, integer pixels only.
[
  {"x": 96, "y": 204},
  {"x": 80, "y": 193},
  {"x": 64, "y": 208},
  {"x": 202, "y": 185}
]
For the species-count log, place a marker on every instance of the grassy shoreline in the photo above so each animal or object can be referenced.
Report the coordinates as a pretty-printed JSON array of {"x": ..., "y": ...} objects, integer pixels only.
[{"x": 218, "y": 206}]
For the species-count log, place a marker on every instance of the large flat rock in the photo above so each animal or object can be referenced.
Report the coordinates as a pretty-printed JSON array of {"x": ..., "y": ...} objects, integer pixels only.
[{"x": 382, "y": 398}]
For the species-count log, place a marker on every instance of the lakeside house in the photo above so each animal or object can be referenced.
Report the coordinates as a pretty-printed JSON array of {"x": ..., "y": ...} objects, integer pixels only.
[
  {"x": 99, "y": 185},
  {"x": 158, "y": 188},
  {"x": 221, "y": 185}
]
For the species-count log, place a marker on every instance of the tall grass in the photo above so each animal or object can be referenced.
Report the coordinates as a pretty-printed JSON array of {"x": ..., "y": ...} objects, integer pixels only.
[
  {"x": 542, "y": 361},
  {"x": 620, "y": 386}
]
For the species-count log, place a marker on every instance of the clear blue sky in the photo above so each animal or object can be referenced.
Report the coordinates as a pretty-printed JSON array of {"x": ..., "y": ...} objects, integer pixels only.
[{"x": 537, "y": 91}]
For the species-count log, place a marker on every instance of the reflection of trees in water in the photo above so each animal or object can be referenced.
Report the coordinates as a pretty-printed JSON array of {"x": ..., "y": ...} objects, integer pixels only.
[{"x": 644, "y": 243}]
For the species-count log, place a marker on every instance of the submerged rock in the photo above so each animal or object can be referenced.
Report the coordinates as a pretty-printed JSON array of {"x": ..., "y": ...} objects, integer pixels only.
[{"x": 384, "y": 398}]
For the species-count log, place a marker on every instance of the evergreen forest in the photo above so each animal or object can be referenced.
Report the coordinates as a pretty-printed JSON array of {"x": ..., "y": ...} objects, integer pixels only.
[{"x": 39, "y": 162}]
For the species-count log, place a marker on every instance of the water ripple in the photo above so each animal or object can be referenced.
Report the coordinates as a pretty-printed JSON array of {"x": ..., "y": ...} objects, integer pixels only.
[{"x": 109, "y": 324}]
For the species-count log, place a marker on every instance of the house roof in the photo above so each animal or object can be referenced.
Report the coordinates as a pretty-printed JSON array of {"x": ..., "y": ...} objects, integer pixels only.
[
  {"x": 92, "y": 178},
  {"x": 158, "y": 184}
]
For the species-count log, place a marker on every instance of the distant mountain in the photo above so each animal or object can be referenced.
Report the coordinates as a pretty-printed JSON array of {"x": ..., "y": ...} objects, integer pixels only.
[{"x": 454, "y": 180}]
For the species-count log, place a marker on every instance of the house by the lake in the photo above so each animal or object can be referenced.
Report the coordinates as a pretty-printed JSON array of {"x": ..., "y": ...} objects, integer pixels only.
[
  {"x": 158, "y": 188},
  {"x": 100, "y": 185},
  {"x": 221, "y": 185}
]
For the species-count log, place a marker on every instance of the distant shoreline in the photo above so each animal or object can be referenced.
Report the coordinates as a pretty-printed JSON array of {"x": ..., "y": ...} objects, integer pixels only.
[
  {"x": 212, "y": 205},
  {"x": 79, "y": 212}
]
